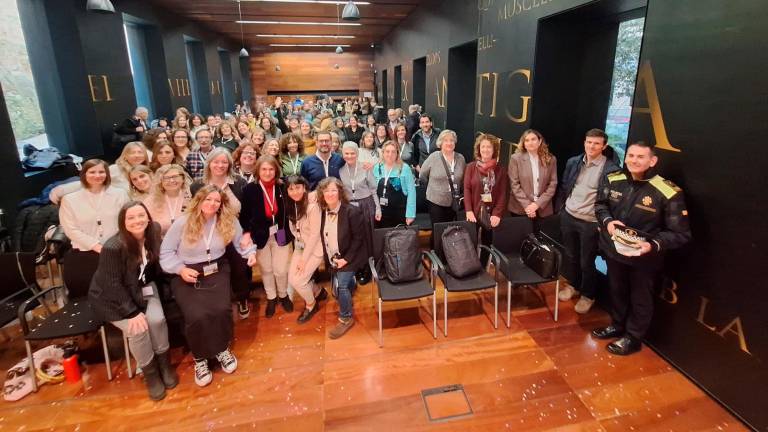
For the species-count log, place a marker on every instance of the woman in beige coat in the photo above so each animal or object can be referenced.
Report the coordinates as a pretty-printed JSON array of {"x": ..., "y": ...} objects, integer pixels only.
[{"x": 532, "y": 177}]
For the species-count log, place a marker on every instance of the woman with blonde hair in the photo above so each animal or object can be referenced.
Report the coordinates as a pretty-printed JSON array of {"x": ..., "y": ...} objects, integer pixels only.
[
  {"x": 181, "y": 122},
  {"x": 396, "y": 188},
  {"x": 532, "y": 177},
  {"x": 141, "y": 179},
  {"x": 308, "y": 137},
  {"x": 134, "y": 153},
  {"x": 219, "y": 170},
  {"x": 194, "y": 251},
  {"x": 226, "y": 137},
  {"x": 271, "y": 148},
  {"x": 169, "y": 196}
]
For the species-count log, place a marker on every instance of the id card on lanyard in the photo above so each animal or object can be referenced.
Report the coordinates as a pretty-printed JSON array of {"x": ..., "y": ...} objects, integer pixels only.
[
  {"x": 384, "y": 200},
  {"x": 352, "y": 178},
  {"x": 298, "y": 242},
  {"x": 148, "y": 289},
  {"x": 271, "y": 202},
  {"x": 211, "y": 267}
]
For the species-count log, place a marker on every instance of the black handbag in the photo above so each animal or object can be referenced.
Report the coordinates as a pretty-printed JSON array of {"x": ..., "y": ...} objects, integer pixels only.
[
  {"x": 457, "y": 203},
  {"x": 540, "y": 256},
  {"x": 484, "y": 217}
]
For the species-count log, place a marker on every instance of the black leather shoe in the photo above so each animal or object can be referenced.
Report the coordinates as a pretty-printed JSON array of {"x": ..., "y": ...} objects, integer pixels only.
[
  {"x": 322, "y": 295},
  {"x": 271, "y": 306},
  {"x": 308, "y": 314},
  {"x": 607, "y": 332},
  {"x": 286, "y": 303},
  {"x": 624, "y": 346}
]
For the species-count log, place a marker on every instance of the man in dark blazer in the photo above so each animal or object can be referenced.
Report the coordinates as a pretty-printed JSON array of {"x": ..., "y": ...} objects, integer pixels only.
[
  {"x": 425, "y": 139},
  {"x": 342, "y": 229}
]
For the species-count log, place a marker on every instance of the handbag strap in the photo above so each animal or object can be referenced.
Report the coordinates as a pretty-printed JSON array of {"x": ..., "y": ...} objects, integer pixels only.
[{"x": 448, "y": 174}]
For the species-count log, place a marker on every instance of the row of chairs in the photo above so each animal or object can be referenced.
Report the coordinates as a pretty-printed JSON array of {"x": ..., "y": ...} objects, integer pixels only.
[{"x": 504, "y": 255}]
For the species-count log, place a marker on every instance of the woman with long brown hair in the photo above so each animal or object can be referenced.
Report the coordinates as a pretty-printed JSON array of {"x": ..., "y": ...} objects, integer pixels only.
[
  {"x": 124, "y": 292},
  {"x": 532, "y": 177},
  {"x": 163, "y": 154},
  {"x": 194, "y": 250}
]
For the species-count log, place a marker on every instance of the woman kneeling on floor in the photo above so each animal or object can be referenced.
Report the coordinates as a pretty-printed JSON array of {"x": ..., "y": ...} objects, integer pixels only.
[
  {"x": 193, "y": 249},
  {"x": 124, "y": 292}
]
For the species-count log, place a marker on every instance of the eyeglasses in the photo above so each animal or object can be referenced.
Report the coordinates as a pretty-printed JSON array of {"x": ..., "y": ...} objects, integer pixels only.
[
  {"x": 249, "y": 153},
  {"x": 172, "y": 178}
]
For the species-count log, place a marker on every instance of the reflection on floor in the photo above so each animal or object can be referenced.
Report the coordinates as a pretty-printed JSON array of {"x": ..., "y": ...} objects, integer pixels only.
[{"x": 535, "y": 375}]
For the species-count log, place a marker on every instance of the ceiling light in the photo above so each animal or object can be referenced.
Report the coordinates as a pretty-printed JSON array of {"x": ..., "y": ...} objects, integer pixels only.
[
  {"x": 339, "y": 49},
  {"x": 243, "y": 51},
  {"x": 307, "y": 45},
  {"x": 101, "y": 6},
  {"x": 296, "y": 23},
  {"x": 351, "y": 12},
  {"x": 332, "y": 2},
  {"x": 304, "y": 36}
]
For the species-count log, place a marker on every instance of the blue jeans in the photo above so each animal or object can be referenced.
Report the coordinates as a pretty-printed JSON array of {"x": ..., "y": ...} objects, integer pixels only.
[{"x": 345, "y": 285}]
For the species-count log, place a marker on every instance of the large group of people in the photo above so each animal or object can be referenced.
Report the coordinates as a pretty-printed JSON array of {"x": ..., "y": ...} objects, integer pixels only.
[{"x": 292, "y": 186}]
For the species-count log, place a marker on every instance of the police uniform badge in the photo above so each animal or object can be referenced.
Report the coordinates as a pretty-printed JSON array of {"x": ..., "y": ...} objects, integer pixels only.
[{"x": 647, "y": 201}]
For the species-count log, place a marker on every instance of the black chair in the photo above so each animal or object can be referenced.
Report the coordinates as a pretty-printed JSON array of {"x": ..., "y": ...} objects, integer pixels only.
[
  {"x": 411, "y": 290},
  {"x": 19, "y": 283},
  {"x": 507, "y": 239},
  {"x": 479, "y": 281},
  {"x": 75, "y": 318}
]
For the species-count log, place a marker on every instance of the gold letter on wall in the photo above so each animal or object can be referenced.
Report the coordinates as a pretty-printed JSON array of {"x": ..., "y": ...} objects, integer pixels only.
[
  {"x": 405, "y": 91},
  {"x": 94, "y": 86},
  {"x": 487, "y": 76},
  {"x": 440, "y": 92},
  {"x": 646, "y": 81},
  {"x": 526, "y": 99}
]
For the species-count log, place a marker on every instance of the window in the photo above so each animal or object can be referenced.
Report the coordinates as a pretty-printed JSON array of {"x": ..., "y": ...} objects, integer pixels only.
[
  {"x": 17, "y": 81},
  {"x": 623, "y": 84}
]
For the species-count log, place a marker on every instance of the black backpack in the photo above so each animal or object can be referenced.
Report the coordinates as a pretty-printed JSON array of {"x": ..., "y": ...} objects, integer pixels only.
[
  {"x": 460, "y": 252},
  {"x": 31, "y": 223},
  {"x": 402, "y": 256}
]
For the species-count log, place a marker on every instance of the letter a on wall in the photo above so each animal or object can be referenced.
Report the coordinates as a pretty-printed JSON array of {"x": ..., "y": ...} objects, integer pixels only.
[{"x": 647, "y": 84}]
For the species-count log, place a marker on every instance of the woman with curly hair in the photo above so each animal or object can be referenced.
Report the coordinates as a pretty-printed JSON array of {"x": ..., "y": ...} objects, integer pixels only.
[
  {"x": 169, "y": 196},
  {"x": 291, "y": 154},
  {"x": 194, "y": 251}
]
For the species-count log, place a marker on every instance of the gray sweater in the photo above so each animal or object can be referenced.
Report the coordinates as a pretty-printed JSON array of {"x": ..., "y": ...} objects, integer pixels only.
[{"x": 434, "y": 174}]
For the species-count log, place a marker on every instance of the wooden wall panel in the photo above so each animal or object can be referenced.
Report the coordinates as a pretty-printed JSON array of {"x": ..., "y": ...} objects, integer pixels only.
[{"x": 310, "y": 71}]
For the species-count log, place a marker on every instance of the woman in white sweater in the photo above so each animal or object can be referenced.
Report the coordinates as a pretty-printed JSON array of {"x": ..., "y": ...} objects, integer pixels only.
[{"x": 89, "y": 215}]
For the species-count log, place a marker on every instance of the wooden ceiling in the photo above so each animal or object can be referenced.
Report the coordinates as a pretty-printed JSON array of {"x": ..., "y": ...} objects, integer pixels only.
[{"x": 377, "y": 19}]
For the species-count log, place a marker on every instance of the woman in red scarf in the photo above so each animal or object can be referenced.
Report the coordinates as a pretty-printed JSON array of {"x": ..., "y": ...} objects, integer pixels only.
[
  {"x": 486, "y": 187},
  {"x": 265, "y": 223}
]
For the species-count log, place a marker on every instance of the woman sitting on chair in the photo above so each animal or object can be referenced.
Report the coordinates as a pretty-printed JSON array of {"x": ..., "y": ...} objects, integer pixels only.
[{"x": 124, "y": 292}]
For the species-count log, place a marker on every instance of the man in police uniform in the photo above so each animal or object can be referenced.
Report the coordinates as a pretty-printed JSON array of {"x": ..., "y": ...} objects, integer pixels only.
[{"x": 641, "y": 216}]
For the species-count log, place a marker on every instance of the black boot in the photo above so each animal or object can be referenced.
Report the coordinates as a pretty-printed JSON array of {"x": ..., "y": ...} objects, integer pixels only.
[
  {"x": 286, "y": 303},
  {"x": 167, "y": 372},
  {"x": 154, "y": 382},
  {"x": 271, "y": 305}
]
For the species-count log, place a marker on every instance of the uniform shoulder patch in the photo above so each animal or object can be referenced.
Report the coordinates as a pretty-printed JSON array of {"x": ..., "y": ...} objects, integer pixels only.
[
  {"x": 616, "y": 176},
  {"x": 666, "y": 187}
]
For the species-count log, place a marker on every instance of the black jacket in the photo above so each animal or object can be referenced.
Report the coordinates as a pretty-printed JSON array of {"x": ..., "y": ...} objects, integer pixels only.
[
  {"x": 571, "y": 173},
  {"x": 115, "y": 291},
  {"x": 420, "y": 146},
  {"x": 128, "y": 127},
  {"x": 355, "y": 136},
  {"x": 253, "y": 217},
  {"x": 412, "y": 124},
  {"x": 351, "y": 231},
  {"x": 655, "y": 206}
]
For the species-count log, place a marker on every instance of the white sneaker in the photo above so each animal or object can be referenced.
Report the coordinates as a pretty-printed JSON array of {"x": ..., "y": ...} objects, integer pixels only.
[
  {"x": 583, "y": 305},
  {"x": 203, "y": 375},
  {"x": 227, "y": 360},
  {"x": 566, "y": 293}
]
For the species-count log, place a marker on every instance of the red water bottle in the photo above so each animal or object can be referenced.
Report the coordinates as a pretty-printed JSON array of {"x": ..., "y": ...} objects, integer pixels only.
[{"x": 71, "y": 368}]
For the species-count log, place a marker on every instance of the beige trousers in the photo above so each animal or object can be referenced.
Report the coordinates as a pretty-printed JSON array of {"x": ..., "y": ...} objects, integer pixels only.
[{"x": 274, "y": 260}]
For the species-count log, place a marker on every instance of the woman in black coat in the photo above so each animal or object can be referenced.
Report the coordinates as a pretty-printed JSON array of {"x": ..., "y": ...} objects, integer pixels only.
[{"x": 124, "y": 292}]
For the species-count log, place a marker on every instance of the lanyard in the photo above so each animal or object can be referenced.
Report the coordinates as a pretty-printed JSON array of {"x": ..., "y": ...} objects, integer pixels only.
[
  {"x": 172, "y": 208},
  {"x": 298, "y": 225},
  {"x": 452, "y": 169},
  {"x": 295, "y": 165},
  {"x": 143, "y": 266},
  {"x": 96, "y": 209},
  {"x": 209, "y": 239},
  {"x": 326, "y": 165},
  {"x": 402, "y": 149},
  {"x": 352, "y": 179},
  {"x": 386, "y": 180},
  {"x": 271, "y": 202}
]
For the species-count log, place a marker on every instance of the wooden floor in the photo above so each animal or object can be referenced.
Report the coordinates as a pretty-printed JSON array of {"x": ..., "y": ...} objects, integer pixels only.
[{"x": 536, "y": 375}]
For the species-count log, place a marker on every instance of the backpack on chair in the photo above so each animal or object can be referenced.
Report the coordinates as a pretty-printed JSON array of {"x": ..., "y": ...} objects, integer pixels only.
[
  {"x": 460, "y": 252},
  {"x": 402, "y": 257}
]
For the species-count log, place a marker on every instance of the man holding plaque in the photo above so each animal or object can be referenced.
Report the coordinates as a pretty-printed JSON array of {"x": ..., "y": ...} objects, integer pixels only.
[{"x": 641, "y": 216}]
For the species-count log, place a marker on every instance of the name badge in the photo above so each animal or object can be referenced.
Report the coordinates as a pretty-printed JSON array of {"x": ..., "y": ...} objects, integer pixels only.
[
  {"x": 298, "y": 244},
  {"x": 273, "y": 229},
  {"x": 210, "y": 269},
  {"x": 486, "y": 197},
  {"x": 148, "y": 290},
  {"x": 355, "y": 203},
  {"x": 383, "y": 201}
]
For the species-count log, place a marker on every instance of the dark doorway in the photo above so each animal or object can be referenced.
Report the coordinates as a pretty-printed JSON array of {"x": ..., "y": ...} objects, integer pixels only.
[
  {"x": 198, "y": 76},
  {"x": 384, "y": 93},
  {"x": 573, "y": 69},
  {"x": 462, "y": 65},
  {"x": 398, "y": 81},
  {"x": 420, "y": 82}
]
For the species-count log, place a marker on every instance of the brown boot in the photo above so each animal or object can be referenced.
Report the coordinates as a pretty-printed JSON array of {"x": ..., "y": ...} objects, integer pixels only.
[{"x": 341, "y": 328}]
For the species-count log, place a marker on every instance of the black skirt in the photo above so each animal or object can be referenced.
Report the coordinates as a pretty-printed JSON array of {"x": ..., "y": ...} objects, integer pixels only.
[{"x": 207, "y": 309}]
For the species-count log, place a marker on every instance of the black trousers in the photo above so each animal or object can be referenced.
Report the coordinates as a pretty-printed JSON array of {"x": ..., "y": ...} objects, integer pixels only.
[
  {"x": 439, "y": 214},
  {"x": 580, "y": 240},
  {"x": 240, "y": 274},
  {"x": 486, "y": 238},
  {"x": 632, "y": 291}
]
